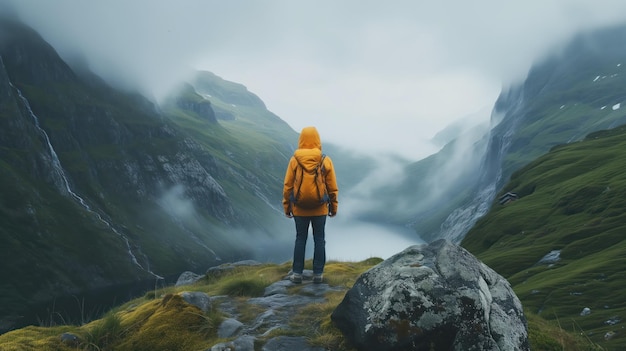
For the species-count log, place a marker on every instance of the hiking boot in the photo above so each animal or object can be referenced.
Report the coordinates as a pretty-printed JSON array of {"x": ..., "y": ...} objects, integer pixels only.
[
  {"x": 296, "y": 278},
  {"x": 317, "y": 278}
]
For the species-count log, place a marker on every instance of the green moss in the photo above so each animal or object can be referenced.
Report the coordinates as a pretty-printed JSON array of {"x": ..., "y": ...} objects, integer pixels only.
[
  {"x": 104, "y": 333},
  {"x": 165, "y": 324},
  {"x": 244, "y": 287},
  {"x": 35, "y": 339},
  {"x": 549, "y": 336}
]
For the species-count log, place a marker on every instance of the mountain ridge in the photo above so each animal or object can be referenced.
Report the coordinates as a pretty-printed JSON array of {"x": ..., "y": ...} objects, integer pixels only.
[
  {"x": 103, "y": 188},
  {"x": 138, "y": 192},
  {"x": 563, "y": 98},
  {"x": 97, "y": 180}
]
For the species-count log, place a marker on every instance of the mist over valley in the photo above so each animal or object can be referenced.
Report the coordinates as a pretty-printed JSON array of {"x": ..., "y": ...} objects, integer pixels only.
[{"x": 107, "y": 189}]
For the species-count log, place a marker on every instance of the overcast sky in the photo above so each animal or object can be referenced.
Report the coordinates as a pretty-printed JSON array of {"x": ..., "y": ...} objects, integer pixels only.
[{"x": 372, "y": 75}]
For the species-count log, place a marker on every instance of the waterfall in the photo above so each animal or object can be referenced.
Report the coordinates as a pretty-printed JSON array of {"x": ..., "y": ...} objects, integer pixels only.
[
  {"x": 462, "y": 219},
  {"x": 60, "y": 176}
]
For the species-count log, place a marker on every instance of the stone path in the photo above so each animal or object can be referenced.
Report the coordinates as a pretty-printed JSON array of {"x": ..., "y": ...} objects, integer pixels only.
[{"x": 277, "y": 307}]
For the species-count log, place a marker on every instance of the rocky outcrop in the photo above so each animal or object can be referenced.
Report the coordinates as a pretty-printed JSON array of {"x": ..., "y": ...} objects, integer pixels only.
[
  {"x": 189, "y": 100},
  {"x": 432, "y": 297},
  {"x": 212, "y": 86}
]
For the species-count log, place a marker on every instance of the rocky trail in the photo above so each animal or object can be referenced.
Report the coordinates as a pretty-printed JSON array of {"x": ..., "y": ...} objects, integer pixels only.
[{"x": 273, "y": 311}]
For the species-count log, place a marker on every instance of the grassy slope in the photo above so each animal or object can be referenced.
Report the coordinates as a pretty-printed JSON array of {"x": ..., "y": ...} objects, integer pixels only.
[
  {"x": 568, "y": 114},
  {"x": 253, "y": 140},
  {"x": 166, "y": 322},
  {"x": 572, "y": 199}
]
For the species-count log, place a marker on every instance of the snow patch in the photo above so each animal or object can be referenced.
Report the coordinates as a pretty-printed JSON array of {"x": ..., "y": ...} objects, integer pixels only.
[
  {"x": 616, "y": 106},
  {"x": 596, "y": 79},
  {"x": 603, "y": 107}
]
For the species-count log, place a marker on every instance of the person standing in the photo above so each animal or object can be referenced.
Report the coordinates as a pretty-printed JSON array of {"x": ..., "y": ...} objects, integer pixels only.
[{"x": 307, "y": 158}]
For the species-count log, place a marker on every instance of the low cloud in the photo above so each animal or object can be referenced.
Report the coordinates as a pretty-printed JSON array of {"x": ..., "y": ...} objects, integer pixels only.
[
  {"x": 175, "y": 203},
  {"x": 373, "y": 76},
  {"x": 357, "y": 240},
  {"x": 379, "y": 67}
]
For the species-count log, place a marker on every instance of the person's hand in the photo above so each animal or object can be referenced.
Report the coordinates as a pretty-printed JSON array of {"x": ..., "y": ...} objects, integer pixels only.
[
  {"x": 289, "y": 215},
  {"x": 332, "y": 214}
]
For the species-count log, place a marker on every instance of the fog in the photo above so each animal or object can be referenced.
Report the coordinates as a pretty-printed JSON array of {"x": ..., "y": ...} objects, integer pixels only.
[
  {"x": 399, "y": 71},
  {"x": 347, "y": 238},
  {"x": 350, "y": 238},
  {"x": 356, "y": 241},
  {"x": 375, "y": 77}
]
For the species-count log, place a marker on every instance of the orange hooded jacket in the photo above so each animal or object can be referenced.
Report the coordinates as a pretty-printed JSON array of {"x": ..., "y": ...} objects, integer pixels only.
[{"x": 309, "y": 153}]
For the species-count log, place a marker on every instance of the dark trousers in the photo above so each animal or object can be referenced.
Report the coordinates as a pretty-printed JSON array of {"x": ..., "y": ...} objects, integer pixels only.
[{"x": 302, "y": 232}]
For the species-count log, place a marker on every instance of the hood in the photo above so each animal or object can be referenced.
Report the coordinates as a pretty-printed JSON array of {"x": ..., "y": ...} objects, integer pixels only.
[
  {"x": 309, "y": 139},
  {"x": 309, "y": 152}
]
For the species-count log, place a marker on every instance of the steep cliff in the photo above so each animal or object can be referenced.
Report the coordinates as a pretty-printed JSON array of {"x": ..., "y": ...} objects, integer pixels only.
[
  {"x": 103, "y": 187},
  {"x": 573, "y": 93},
  {"x": 577, "y": 90}
]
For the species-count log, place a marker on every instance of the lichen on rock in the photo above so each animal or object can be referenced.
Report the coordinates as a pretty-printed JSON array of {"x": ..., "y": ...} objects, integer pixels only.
[{"x": 434, "y": 295}]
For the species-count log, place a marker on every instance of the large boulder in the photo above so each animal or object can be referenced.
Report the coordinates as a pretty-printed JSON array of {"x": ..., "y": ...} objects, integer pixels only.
[{"x": 432, "y": 297}]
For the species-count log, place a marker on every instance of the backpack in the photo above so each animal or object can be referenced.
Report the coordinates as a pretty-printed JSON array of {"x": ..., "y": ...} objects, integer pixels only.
[{"x": 309, "y": 189}]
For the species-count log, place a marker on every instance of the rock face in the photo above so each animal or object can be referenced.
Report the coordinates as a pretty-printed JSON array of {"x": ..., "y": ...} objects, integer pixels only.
[{"x": 432, "y": 297}]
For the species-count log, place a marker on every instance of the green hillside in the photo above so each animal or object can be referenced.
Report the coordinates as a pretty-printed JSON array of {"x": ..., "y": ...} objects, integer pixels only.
[
  {"x": 569, "y": 94},
  {"x": 572, "y": 200}
]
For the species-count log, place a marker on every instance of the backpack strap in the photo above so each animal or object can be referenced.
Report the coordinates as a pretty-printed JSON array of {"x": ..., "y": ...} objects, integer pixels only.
[
  {"x": 323, "y": 197},
  {"x": 296, "y": 194}
]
